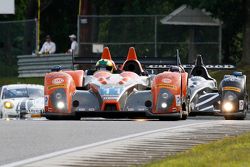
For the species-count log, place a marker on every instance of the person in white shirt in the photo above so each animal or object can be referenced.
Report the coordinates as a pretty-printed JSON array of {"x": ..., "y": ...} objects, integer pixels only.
[
  {"x": 74, "y": 45},
  {"x": 48, "y": 47}
]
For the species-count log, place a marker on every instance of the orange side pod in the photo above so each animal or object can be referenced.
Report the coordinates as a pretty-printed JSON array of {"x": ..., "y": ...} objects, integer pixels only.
[{"x": 67, "y": 81}]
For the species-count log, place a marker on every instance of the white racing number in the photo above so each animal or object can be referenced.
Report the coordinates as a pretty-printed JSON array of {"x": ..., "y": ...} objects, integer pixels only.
[
  {"x": 46, "y": 100},
  {"x": 178, "y": 100},
  {"x": 241, "y": 104}
]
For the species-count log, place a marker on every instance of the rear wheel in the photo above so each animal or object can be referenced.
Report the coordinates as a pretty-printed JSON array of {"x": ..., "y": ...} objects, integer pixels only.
[
  {"x": 184, "y": 116},
  {"x": 186, "y": 109}
]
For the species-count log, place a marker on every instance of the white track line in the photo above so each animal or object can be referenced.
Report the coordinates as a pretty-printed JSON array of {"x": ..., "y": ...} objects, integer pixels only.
[{"x": 57, "y": 153}]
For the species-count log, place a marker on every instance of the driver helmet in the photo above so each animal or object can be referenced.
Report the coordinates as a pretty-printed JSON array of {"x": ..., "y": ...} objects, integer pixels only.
[
  {"x": 105, "y": 65},
  {"x": 175, "y": 69}
]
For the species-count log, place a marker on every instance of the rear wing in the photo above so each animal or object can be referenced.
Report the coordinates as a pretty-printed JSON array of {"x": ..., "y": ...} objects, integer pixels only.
[
  {"x": 190, "y": 66},
  {"x": 149, "y": 63},
  {"x": 152, "y": 63},
  {"x": 144, "y": 60}
]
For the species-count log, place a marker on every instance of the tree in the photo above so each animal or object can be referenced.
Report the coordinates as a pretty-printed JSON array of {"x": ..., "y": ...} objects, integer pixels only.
[{"x": 246, "y": 51}]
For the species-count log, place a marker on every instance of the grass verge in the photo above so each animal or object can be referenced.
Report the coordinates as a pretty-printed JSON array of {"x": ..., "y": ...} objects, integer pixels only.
[
  {"x": 15, "y": 80},
  {"x": 231, "y": 151}
]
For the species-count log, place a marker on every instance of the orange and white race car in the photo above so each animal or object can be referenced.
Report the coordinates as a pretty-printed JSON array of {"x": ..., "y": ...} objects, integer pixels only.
[{"x": 109, "y": 92}]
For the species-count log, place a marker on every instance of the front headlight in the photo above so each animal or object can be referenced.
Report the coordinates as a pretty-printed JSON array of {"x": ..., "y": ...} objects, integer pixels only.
[
  {"x": 8, "y": 105},
  {"x": 228, "y": 107},
  {"x": 60, "y": 105},
  {"x": 164, "y": 105}
]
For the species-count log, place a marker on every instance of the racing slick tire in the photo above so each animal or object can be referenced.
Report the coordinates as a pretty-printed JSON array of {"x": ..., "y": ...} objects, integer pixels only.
[
  {"x": 170, "y": 118},
  {"x": 233, "y": 117},
  {"x": 184, "y": 116},
  {"x": 237, "y": 117},
  {"x": 230, "y": 117},
  {"x": 63, "y": 118},
  {"x": 186, "y": 109}
]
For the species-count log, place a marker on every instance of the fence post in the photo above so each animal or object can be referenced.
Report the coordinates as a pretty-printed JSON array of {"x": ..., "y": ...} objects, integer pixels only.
[
  {"x": 220, "y": 41},
  {"x": 155, "y": 35}
]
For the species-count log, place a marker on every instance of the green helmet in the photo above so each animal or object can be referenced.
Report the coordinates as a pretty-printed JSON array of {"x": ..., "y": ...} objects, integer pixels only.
[{"x": 105, "y": 64}]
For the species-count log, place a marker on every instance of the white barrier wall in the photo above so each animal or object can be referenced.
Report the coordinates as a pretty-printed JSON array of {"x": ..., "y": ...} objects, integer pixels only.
[{"x": 37, "y": 66}]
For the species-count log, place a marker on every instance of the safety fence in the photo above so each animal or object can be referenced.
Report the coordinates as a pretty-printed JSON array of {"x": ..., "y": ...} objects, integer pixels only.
[
  {"x": 37, "y": 66},
  {"x": 157, "y": 36}
]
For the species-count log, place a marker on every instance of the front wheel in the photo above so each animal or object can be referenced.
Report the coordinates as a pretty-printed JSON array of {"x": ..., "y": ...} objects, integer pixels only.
[
  {"x": 231, "y": 117},
  {"x": 176, "y": 118},
  {"x": 169, "y": 119}
]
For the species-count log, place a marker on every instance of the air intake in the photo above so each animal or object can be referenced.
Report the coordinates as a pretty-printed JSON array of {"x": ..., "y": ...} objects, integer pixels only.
[{"x": 110, "y": 107}]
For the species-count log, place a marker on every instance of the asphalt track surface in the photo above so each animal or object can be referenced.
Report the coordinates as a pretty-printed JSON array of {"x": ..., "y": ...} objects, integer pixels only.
[{"x": 23, "y": 139}]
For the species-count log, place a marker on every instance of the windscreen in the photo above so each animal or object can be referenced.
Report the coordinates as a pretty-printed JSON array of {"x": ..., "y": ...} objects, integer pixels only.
[
  {"x": 22, "y": 92},
  {"x": 15, "y": 93}
]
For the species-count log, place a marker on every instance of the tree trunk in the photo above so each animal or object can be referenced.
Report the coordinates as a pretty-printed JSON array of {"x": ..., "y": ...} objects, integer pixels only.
[{"x": 246, "y": 41}]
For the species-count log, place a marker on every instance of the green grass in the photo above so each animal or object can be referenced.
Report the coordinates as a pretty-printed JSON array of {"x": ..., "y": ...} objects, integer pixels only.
[
  {"x": 231, "y": 151},
  {"x": 15, "y": 80}
]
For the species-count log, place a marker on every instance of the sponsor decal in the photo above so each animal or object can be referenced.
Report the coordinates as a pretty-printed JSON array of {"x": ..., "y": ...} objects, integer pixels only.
[
  {"x": 178, "y": 100},
  {"x": 110, "y": 97},
  {"x": 230, "y": 88},
  {"x": 81, "y": 109},
  {"x": 241, "y": 104},
  {"x": 57, "y": 81},
  {"x": 46, "y": 100},
  {"x": 56, "y": 86},
  {"x": 141, "y": 109},
  {"x": 160, "y": 66},
  {"x": 170, "y": 86},
  {"x": 131, "y": 109},
  {"x": 166, "y": 80},
  {"x": 111, "y": 91}
]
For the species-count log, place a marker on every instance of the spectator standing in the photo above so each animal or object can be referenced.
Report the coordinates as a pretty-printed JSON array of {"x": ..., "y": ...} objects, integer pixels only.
[
  {"x": 74, "y": 45},
  {"x": 48, "y": 47}
]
